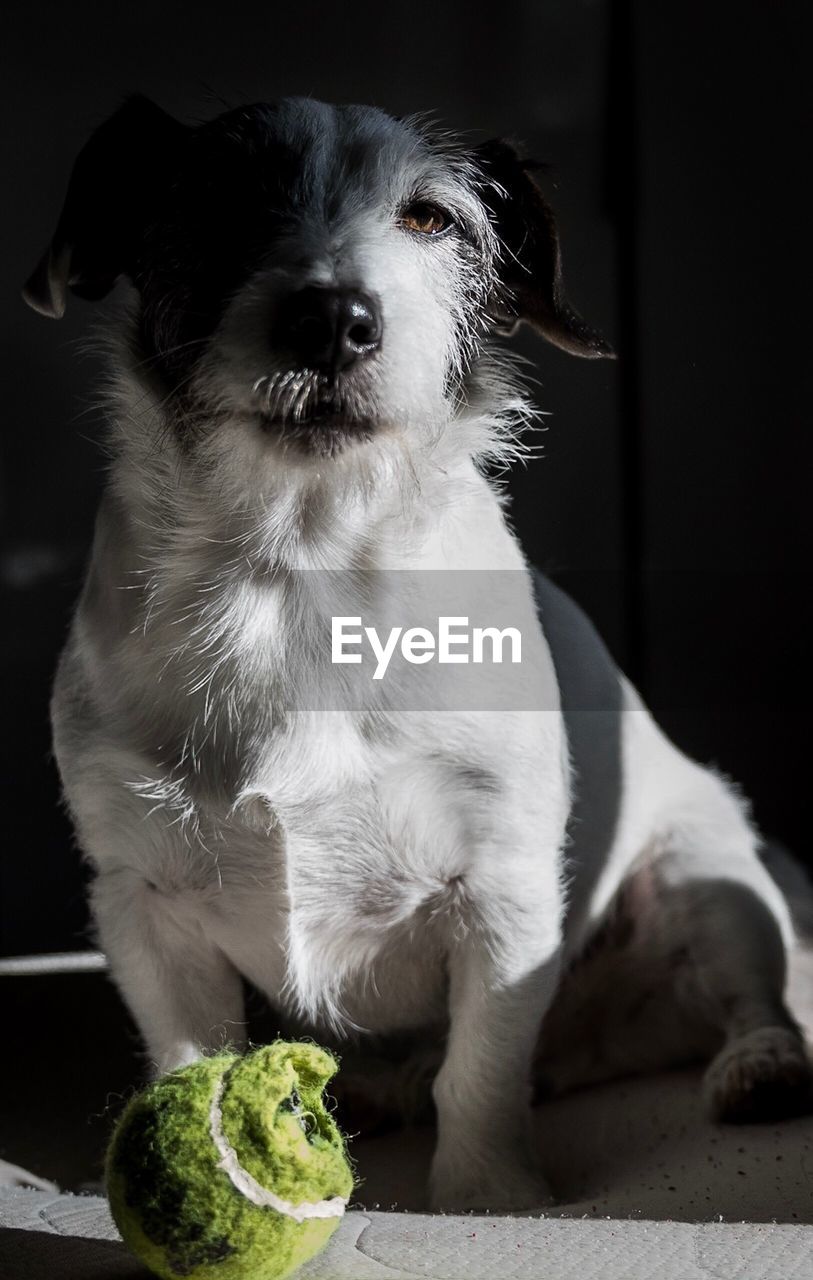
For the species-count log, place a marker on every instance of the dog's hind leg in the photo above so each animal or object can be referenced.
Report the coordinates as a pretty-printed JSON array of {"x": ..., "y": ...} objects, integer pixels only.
[
  {"x": 689, "y": 965},
  {"x": 736, "y": 983},
  {"x": 725, "y": 909}
]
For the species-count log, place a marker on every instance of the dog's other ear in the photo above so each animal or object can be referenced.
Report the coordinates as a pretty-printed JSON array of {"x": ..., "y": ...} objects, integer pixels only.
[
  {"x": 107, "y": 206},
  {"x": 530, "y": 272}
]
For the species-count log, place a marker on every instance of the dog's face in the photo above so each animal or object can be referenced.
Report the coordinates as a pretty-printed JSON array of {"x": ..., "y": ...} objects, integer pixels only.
[{"x": 314, "y": 276}]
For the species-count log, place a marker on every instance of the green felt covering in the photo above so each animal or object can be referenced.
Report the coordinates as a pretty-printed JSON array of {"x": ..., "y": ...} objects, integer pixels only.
[{"x": 180, "y": 1213}]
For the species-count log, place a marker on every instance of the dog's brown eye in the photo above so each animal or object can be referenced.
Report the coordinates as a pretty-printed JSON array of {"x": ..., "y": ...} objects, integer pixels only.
[{"x": 424, "y": 218}]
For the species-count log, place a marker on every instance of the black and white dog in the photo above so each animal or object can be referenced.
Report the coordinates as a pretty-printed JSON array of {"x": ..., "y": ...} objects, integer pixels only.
[{"x": 307, "y": 383}]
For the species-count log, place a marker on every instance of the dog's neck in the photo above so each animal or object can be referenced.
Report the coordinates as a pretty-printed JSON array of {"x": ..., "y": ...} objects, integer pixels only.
[{"x": 259, "y": 508}]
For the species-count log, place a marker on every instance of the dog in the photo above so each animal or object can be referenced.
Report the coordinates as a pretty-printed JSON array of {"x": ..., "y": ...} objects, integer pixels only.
[{"x": 308, "y": 404}]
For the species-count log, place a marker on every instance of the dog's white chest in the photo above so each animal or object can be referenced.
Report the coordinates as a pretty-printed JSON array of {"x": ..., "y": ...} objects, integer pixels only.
[{"x": 370, "y": 841}]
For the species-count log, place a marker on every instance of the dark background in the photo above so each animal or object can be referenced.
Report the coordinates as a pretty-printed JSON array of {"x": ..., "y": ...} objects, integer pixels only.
[{"x": 673, "y": 496}]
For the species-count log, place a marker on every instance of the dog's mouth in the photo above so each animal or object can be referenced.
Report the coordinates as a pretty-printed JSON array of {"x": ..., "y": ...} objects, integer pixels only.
[{"x": 313, "y": 414}]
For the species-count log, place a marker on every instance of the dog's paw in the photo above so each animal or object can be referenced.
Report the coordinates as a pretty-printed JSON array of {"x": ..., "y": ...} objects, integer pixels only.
[
  {"x": 762, "y": 1076},
  {"x": 488, "y": 1187}
]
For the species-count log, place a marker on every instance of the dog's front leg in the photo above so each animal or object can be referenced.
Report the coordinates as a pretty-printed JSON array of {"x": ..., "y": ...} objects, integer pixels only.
[
  {"x": 185, "y": 996},
  {"x": 503, "y": 969}
]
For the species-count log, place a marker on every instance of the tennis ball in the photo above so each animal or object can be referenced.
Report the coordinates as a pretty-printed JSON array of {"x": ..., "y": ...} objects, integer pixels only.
[{"x": 231, "y": 1168}]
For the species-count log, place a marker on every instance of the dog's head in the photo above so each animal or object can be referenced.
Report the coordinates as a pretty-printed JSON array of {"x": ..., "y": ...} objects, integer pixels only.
[{"x": 314, "y": 276}]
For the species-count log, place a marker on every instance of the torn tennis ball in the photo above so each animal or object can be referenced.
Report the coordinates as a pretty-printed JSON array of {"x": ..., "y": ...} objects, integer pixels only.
[{"x": 232, "y": 1168}]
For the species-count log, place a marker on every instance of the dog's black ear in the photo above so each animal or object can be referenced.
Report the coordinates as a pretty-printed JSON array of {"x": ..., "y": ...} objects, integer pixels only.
[
  {"x": 530, "y": 284},
  {"x": 107, "y": 206}
]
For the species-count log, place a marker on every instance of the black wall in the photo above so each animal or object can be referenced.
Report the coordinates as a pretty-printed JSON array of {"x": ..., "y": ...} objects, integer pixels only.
[
  {"x": 672, "y": 497},
  {"x": 723, "y": 378}
]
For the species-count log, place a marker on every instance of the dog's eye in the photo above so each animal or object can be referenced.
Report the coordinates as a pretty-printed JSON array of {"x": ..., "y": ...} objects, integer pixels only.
[{"x": 424, "y": 218}]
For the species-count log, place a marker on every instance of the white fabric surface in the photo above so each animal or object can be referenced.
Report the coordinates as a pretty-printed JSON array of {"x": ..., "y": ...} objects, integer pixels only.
[{"x": 47, "y": 1237}]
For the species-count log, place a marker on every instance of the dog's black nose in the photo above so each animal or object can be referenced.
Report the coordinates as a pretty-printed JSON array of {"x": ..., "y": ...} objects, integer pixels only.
[{"x": 330, "y": 329}]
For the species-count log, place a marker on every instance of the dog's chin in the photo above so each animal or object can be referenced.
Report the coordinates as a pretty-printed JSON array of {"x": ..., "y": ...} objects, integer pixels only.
[{"x": 324, "y": 433}]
